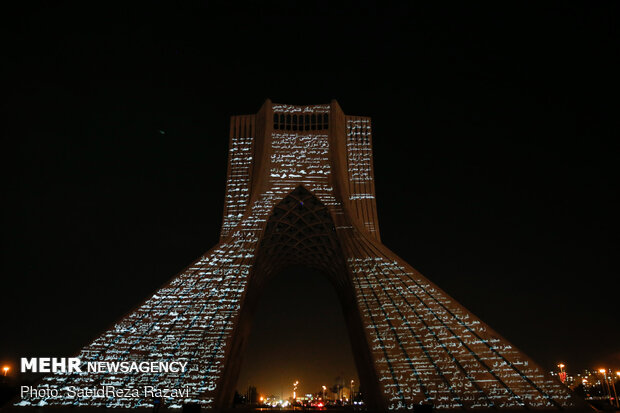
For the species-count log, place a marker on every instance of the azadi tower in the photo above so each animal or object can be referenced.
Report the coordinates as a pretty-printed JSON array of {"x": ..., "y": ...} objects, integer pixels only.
[{"x": 301, "y": 191}]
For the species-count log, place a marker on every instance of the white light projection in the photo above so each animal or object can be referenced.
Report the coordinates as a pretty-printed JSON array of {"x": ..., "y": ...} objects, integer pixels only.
[
  {"x": 423, "y": 346},
  {"x": 361, "y": 179}
]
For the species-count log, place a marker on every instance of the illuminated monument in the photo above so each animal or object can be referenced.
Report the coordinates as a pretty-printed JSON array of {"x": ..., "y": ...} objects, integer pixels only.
[{"x": 300, "y": 190}]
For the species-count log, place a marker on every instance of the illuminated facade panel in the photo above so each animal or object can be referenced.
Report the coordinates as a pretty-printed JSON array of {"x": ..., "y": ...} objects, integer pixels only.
[{"x": 300, "y": 190}]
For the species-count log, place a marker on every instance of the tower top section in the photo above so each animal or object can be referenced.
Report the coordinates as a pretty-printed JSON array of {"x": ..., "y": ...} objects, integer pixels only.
[{"x": 318, "y": 147}]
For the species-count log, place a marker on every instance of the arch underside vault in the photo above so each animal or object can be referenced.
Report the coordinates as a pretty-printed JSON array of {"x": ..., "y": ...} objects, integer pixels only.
[{"x": 311, "y": 202}]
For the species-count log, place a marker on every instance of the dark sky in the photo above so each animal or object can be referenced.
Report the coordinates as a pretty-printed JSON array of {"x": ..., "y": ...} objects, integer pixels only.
[{"x": 495, "y": 144}]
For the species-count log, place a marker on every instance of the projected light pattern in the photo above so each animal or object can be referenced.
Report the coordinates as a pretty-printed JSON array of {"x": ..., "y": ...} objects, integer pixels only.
[
  {"x": 361, "y": 179},
  {"x": 242, "y": 131},
  {"x": 300, "y": 190},
  {"x": 430, "y": 349}
]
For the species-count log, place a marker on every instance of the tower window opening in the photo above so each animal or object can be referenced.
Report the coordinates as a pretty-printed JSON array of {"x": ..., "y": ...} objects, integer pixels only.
[{"x": 276, "y": 123}]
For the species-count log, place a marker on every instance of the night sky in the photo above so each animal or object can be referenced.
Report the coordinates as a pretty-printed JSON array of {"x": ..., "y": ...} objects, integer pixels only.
[{"x": 495, "y": 149}]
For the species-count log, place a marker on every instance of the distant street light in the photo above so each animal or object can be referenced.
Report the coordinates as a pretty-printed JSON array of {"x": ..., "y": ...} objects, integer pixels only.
[
  {"x": 604, "y": 373},
  {"x": 613, "y": 386},
  {"x": 6, "y": 369},
  {"x": 295, "y": 390},
  {"x": 562, "y": 372}
]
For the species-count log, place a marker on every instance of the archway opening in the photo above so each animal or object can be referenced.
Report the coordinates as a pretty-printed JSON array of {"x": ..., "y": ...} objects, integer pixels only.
[
  {"x": 300, "y": 238},
  {"x": 298, "y": 334}
]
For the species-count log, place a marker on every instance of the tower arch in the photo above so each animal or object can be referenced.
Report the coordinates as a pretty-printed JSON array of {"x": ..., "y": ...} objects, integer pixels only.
[{"x": 301, "y": 232}]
